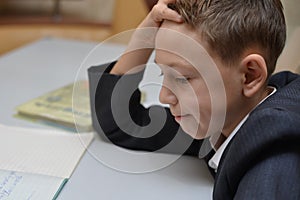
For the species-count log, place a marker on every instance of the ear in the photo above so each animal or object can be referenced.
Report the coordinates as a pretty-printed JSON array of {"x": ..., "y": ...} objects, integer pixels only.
[{"x": 255, "y": 74}]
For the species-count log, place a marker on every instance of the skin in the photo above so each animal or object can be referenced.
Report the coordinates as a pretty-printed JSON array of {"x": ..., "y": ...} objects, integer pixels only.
[
  {"x": 185, "y": 86},
  {"x": 186, "y": 63},
  {"x": 186, "y": 91}
]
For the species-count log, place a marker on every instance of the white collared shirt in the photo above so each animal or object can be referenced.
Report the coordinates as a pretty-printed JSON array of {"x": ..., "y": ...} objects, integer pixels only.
[{"x": 215, "y": 160}]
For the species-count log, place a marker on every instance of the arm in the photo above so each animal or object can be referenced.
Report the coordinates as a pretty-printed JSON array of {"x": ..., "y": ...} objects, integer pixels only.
[
  {"x": 115, "y": 99},
  {"x": 142, "y": 42}
]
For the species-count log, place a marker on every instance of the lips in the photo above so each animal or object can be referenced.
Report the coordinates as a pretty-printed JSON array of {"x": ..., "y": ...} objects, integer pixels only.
[{"x": 178, "y": 118}]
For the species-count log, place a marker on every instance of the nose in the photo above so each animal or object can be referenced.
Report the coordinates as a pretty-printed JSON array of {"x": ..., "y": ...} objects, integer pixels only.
[{"x": 166, "y": 96}]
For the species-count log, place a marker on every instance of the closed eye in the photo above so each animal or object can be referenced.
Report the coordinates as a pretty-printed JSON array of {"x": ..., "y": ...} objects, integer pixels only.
[{"x": 182, "y": 80}]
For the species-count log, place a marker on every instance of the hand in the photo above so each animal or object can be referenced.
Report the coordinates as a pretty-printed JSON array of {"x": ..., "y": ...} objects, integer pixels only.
[
  {"x": 145, "y": 34},
  {"x": 142, "y": 41},
  {"x": 161, "y": 12}
]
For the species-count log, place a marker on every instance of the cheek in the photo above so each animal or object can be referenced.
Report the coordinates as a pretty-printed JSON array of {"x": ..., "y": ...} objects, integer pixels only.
[
  {"x": 189, "y": 104},
  {"x": 190, "y": 125},
  {"x": 195, "y": 129},
  {"x": 199, "y": 109},
  {"x": 203, "y": 102},
  {"x": 196, "y": 101},
  {"x": 206, "y": 107}
]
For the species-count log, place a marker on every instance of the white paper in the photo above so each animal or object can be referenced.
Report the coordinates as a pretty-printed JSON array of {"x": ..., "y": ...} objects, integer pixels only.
[
  {"x": 46, "y": 152},
  {"x": 17, "y": 185}
]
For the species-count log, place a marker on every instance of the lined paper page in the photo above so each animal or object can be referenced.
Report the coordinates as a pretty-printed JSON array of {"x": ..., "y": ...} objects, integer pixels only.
[
  {"x": 18, "y": 185},
  {"x": 46, "y": 152}
]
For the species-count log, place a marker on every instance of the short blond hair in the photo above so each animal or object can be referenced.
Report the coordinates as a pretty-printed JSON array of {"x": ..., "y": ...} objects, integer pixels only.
[{"x": 232, "y": 26}]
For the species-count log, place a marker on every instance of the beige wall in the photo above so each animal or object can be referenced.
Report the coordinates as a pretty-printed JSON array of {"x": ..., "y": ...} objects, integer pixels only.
[
  {"x": 91, "y": 9},
  {"x": 292, "y": 13},
  {"x": 290, "y": 58},
  {"x": 103, "y": 11},
  {"x": 94, "y": 10},
  {"x": 123, "y": 14}
]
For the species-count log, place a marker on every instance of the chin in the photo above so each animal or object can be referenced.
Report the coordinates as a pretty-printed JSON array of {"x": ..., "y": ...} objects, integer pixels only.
[
  {"x": 198, "y": 136},
  {"x": 194, "y": 130}
]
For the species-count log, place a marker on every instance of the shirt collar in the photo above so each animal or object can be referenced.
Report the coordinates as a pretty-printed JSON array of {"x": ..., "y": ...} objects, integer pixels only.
[{"x": 215, "y": 160}]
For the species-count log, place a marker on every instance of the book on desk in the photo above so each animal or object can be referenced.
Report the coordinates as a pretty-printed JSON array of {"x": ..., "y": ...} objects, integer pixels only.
[{"x": 57, "y": 108}]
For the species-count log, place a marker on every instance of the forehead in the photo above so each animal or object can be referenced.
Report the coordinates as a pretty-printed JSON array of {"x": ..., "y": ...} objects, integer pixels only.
[
  {"x": 172, "y": 63},
  {"x": 179, "y": 44},
  {"x": 174, "y": 34}
]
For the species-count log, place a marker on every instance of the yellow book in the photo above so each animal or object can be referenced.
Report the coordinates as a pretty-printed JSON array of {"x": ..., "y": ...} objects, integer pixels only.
[{"x": 68, "y": 106}]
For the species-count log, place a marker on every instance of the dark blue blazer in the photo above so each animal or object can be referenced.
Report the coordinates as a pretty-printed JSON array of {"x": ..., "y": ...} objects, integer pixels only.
[{"x": 262, "y": 161}]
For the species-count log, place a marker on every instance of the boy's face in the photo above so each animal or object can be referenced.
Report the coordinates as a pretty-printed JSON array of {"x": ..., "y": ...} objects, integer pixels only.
[{"x": 199, "y": 90}]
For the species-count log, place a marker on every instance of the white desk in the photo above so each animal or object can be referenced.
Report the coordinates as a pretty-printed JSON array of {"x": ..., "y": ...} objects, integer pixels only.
[{"x": 51, "y": 63}]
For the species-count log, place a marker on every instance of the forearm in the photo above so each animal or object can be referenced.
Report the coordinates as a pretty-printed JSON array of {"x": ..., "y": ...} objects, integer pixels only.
[
  {"x": 132, "y": 129},
  {"x": 132, "y": 61},
  {"x": 138, "y": 50}
]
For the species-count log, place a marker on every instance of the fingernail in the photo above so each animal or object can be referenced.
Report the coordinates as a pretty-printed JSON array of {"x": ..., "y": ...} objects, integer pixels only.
[{"x": 180, "y": 19}]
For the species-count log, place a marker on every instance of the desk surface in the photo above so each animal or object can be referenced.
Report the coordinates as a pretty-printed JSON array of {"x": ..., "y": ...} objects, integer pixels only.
[{"x": 51, "y": 63}]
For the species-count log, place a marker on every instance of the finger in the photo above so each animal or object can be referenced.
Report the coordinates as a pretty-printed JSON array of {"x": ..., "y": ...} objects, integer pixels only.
[
  {"x": 167, "y": 1},
  {"x": 171, "y": 15},
  {"x": 162, "y": 12}
]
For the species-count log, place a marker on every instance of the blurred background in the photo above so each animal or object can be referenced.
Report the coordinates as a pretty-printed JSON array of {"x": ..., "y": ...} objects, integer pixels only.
[{"x": 24, "y": 21}]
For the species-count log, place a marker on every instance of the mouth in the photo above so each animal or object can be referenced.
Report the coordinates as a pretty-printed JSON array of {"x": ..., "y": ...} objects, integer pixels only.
[{"x": 178, "y": 118}]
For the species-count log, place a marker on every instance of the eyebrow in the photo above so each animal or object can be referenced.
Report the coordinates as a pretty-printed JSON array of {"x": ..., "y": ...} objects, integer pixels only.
[{"x": 186, "y": 66}]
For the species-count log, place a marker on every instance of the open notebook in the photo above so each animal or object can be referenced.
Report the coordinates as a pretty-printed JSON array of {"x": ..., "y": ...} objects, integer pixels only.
[{"x": 35, "y": 164}]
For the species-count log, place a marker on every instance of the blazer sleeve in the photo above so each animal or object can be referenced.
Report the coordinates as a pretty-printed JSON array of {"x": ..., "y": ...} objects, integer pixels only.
[
  {"x": 118, "y": 115},
  {"x": 274, "y": 177}
]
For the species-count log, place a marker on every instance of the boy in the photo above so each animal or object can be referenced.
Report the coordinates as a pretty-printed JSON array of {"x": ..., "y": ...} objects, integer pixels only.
[{"x": 251, "y": 117}]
